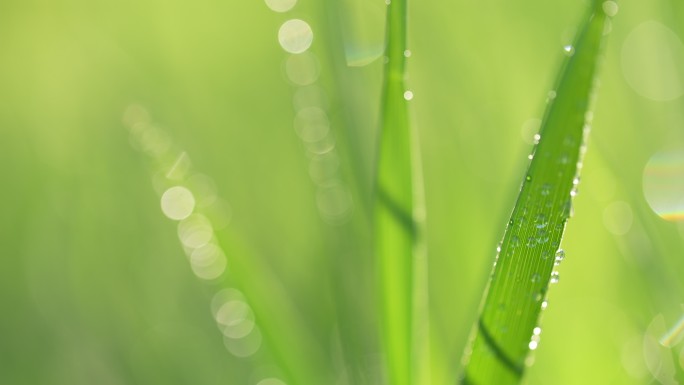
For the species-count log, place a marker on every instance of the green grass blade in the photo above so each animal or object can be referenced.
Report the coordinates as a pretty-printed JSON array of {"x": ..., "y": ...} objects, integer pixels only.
[
  {"x": 397, "y": 199},
  {"x": 517, "y": 288}
]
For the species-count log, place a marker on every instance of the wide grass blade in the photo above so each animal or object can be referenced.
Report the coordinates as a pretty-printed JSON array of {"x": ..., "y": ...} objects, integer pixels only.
[
  {"x": 397, "y": 208},
  {"x": 506, "y": 330}
]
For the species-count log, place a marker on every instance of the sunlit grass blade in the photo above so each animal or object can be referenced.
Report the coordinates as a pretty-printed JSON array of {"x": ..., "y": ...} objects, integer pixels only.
[
  {"x": 505, "y": 330},
  {"x": 397, "y": 228}
]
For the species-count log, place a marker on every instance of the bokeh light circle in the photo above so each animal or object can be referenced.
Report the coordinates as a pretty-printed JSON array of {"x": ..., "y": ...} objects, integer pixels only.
[
  {"x": 281, "y": 5},
  {"x": 652, "y": 60},
  {"x": 177, "y": 203},
  {"x": 295, "y": 36},
  {"x": 663, "y": 184}
]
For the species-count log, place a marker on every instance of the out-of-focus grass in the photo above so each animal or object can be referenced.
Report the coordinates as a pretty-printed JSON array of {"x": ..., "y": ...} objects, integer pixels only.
[
  {"x": 96, "y": 289},
  {"x": 399, "y": 217}
]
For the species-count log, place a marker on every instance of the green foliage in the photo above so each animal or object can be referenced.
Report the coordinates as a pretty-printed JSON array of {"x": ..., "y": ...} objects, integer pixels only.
[
  {"x": 96, "y": 287},
  {"x": 398, "y": 211},
  {"x": 508, "y": 326}
]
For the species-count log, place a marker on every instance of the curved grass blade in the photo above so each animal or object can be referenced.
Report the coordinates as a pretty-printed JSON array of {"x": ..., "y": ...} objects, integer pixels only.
[
  {"x": 397, "y": 201},
  {"x": 505, "y": 330}
]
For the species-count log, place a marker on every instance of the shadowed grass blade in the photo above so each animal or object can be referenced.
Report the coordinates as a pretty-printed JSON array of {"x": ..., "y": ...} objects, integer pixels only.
[
  {"x": 397, "y": 201},
  {"x": 516, "y": 293}
]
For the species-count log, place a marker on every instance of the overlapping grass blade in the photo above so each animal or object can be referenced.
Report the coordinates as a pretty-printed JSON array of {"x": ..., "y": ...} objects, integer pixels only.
[
  {"x": 397, "y": 200},
  {"x": 505, "y": 330}
]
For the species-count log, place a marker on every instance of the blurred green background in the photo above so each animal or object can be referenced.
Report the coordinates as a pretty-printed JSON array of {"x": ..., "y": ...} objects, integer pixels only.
[{"x": 95, "y": 286}]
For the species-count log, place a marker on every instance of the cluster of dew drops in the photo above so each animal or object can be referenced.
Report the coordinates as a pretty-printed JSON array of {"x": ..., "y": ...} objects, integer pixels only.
[{"x": 610, "y": 8}]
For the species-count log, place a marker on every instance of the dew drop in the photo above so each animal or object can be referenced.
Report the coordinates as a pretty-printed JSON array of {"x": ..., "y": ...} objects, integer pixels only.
[
  {"x": 537, "y": 138},
  {"x": 551, "y": 95},
  {"x": 569, "y": 50},
  {"x": 407, "y": 53},
  {"x": 521, "y": 221},
  {"x": 531, "y": 242},
  {"x": 542, "y": 236},
  {"x": 537, "y": 331},
  {"x": 574, "y": 191},
  {"x": 528, "y": 129},
  {"x": 533, "y": 345},
  {"x": 544, "y": 305},
  {"x": 408, "y": 95},
  {"x": 560, "y": 256},
  {"x": 568, "y": 210},
  {"x": 540, "y": 221},
  {"x": 528, "y": 178},
  {"x": 536, "y": 277},
  {"x": 545, "y": 189},
  {"x": 555, "y": 277},
  {"x": 515, "y": 241},
  {"x": 545, "y": 254}
]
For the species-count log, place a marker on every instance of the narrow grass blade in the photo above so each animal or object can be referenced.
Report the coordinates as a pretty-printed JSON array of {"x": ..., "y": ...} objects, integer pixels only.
[
  {"x": 397, "y": 200},
  {"x": 505, "y": 330}
]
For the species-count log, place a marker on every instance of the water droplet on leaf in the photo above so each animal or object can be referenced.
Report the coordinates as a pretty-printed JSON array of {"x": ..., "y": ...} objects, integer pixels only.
[
  {"x": 555, "y": 277},
  {"x": 560, "y": 255}
]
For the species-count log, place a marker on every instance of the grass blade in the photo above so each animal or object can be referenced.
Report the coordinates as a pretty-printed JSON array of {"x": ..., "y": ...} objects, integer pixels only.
[
  {"x": 397, "y": 200},
  {"x": 505, "y": 331}
]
